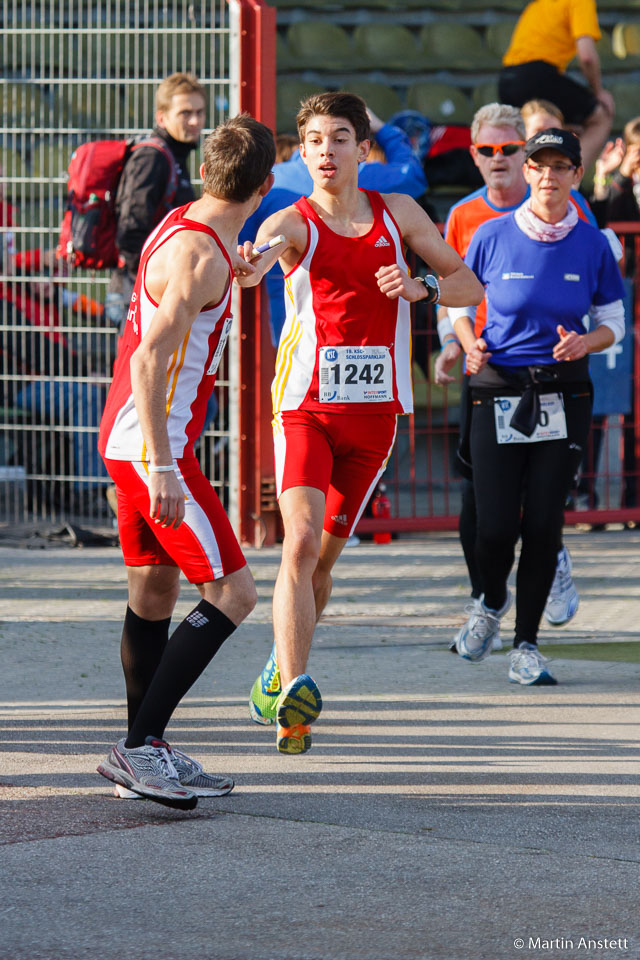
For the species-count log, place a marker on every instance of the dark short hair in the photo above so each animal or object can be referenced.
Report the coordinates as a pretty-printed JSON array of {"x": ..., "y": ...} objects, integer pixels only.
[
  {"x": 238, "y": 157},
  {"x": 347, "y": 105}
]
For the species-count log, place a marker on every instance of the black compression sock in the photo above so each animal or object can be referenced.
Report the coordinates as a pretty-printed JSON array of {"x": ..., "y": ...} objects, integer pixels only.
[
  {"x": 191, "y": 648},
  {"x": 143, "y": 643}
]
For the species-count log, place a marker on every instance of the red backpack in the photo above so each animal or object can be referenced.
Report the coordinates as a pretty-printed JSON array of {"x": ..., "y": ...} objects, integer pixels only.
[{"x": 88, "y": 230}]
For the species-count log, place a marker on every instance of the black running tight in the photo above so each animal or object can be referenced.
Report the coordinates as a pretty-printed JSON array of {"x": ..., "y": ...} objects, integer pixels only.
[{"x": 520, "y": 490}]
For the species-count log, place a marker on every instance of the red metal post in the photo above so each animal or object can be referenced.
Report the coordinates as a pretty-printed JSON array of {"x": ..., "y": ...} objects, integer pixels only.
[{"x": 257, "y": 507}]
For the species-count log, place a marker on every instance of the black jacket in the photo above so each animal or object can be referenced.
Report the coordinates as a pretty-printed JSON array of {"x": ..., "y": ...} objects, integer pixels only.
[{"x": 140, "y": 191}]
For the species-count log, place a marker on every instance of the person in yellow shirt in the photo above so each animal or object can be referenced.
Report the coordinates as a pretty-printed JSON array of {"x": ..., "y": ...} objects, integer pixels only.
[{"x": 548, "y": 35}]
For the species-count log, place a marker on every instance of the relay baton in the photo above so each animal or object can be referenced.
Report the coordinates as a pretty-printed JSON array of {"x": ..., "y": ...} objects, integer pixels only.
[{"x": 267, "y": 246}]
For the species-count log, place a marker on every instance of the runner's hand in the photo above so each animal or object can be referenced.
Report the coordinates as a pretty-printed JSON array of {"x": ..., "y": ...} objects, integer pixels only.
[
  {"x": 445, "y": 360},
  {"x": 571, "y": 345},
  {"x": 394, "y": 283},
  {"x": 478, "y": 357},
  {"x": 242, "y": 262},
  {"x": 166, "y": 500}
]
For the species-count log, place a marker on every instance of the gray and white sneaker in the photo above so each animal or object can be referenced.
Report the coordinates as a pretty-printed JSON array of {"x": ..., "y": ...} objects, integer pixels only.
[
  {"x": 529, "y": 667},
  {"x": 496, "y": 643},
  {"x": 475, "y": 639},
  {"x": 563, "y": 600},
  {"x": 191, "y": 775},
  {"x": 149, "y": 772}
]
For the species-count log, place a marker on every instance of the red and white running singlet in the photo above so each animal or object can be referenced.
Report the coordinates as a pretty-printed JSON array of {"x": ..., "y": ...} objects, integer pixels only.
[
  {"x": 345, "y": 346},
  {"x": 191, "y": 372}
]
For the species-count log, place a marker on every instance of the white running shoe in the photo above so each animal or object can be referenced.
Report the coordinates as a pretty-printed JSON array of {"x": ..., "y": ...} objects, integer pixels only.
[
  {"x": 148, "y": 771},
  {"x": 529, "y": 667},
  {"x": 475, "y": 639},
  {"x": 124, "y": 794},
  {"x": 563, "y": 600},
  {"x": 191, "y": 775},
  {"x": 495, "y": 645}
]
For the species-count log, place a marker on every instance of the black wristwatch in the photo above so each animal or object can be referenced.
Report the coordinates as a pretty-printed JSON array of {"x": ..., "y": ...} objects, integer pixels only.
[{"x": 433, "y": 287}]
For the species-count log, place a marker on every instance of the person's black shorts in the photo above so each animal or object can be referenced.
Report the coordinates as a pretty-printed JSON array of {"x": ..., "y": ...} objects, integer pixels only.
[{"x": 539, "y": 80}]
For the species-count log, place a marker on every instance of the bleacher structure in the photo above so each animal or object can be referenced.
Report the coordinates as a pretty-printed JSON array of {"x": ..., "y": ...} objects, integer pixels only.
[{"x": 441, "y": 56}]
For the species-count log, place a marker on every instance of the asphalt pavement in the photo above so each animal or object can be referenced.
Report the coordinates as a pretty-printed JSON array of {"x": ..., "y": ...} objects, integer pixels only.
[{"x": 442, "y": 813}]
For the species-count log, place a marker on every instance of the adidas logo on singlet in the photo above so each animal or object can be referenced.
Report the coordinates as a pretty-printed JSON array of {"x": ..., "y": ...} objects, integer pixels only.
[{"x": 382, "y": 242}]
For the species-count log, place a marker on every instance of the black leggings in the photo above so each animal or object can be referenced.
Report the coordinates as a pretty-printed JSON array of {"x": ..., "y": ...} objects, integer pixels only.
[
  {"x": 520, "y": 490},
  {"x": 467, "y": 530}
]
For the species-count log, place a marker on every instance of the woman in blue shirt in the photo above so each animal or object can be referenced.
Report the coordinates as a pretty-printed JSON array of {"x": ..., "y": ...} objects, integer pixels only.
[{"x": 543, "y": 269}]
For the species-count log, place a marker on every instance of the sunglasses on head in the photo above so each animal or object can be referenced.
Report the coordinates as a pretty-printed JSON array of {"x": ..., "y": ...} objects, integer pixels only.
[{"x": 507, "y": 149}]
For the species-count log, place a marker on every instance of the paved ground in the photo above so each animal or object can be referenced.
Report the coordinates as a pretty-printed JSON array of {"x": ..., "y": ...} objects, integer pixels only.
[{"x": 442, "y": 813}]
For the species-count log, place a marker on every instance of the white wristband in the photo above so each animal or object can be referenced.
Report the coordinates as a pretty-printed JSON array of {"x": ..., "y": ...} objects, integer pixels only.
[
  {"x": 162, "y": 468},
  {"x": 445, "y": 328}
]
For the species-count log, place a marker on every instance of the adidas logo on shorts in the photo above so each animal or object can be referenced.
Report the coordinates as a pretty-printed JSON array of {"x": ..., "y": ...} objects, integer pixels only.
[
  {"x": 341, "y": 518},
  {"x": 382, "y": 242},
  {"x": 197, "y": 619}
]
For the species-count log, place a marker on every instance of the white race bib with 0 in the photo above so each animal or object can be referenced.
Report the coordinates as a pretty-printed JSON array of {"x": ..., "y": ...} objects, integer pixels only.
[
  {"x": 552, "y": 423},
  {"x": 355, "y": 375}
]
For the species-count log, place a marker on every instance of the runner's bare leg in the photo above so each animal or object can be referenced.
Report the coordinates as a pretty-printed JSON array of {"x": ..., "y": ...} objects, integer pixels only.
[{"x": 303, "y": 584}]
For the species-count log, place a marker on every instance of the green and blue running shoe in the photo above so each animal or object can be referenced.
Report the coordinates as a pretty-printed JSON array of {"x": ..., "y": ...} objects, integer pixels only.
[
  {"x": 263, "y": 703},
  {"x": 298, "y": 707}
]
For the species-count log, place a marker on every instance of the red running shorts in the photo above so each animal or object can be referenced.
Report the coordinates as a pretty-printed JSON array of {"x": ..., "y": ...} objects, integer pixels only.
[
  {"x": 340, "y": 454},
  {"x": 204, "y": 546}
]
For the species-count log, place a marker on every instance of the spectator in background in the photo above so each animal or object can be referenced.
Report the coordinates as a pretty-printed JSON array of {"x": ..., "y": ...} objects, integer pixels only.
[
  {"x": 49, "y": 355},
  {"x": 46, "y": 353},
  {"x": 547, "y": 36},
  {"x": 180, "y": 116},
  {"x": 286, "y": 145},
  {"x": 616, "y": 185},
  {"x": 616, "y": 197},
  {"x": 399, "y": 172},
  {"x": 540, "y": 115}
]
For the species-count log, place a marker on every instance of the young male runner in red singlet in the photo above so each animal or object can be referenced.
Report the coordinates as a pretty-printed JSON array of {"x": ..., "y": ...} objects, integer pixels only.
[
  {"x": 343, "y": 374},
  {"x": 169, "y": 516}
]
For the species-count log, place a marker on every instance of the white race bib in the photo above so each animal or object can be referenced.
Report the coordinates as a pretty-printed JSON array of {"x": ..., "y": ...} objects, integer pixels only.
[
  {"x": 552, "y": 424},
  {"x": 355, "y": 375},
  {"x": 222, "y": 342}
]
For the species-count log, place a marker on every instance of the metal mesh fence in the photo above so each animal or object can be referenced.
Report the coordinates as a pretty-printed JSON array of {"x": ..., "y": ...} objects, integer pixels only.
[{"x": 72, "y": 71}]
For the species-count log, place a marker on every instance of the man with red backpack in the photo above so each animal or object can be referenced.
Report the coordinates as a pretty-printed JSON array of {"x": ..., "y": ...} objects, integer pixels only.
[{"x": 155, "y": 179}]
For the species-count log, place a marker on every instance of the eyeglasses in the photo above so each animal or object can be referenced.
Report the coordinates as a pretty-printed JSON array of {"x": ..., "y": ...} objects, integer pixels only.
[
  {"x": 507, "y": 149},
  {"x": 557, "y": 169}
]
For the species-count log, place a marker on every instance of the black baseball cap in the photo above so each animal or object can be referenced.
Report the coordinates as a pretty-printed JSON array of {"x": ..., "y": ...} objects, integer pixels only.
[{"x": 554, "y": 138}]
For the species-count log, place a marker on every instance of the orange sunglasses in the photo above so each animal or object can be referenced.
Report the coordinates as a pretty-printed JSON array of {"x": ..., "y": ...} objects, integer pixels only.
[{"x": 507, "y": 149}]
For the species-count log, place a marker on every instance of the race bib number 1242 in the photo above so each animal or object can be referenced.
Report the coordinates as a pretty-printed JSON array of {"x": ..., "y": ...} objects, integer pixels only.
[{"x": 355, "y": 375}]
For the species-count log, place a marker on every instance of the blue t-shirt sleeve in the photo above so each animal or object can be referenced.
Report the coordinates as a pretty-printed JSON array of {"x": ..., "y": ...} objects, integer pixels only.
[{"x": 475, "y": 256}]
